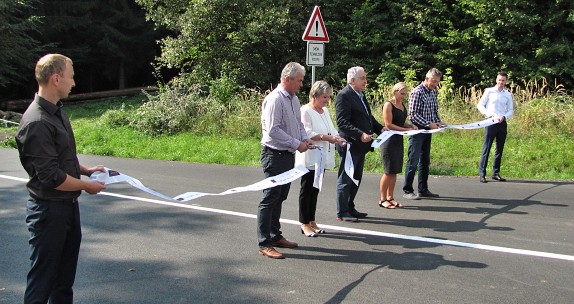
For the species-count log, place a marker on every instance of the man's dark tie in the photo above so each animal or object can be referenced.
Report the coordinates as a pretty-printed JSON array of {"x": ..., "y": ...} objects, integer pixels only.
[{"x": 364, "y": 101}]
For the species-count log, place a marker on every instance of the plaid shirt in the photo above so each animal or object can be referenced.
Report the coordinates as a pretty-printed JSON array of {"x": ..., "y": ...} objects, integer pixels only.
[{"x": 423, "y": 106}]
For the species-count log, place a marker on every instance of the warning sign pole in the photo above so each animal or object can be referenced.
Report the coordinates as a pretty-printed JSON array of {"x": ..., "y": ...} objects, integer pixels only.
[{"x": 316, "y": 36}]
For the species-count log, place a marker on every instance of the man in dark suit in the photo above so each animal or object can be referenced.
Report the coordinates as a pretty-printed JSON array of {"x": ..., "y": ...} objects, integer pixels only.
[{"x": 356, "y": 125}]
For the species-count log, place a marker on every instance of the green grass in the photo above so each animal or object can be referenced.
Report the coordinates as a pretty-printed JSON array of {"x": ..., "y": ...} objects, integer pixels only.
[
  {"x": 531, "y": 153},
  {"x": 125, "y": 142},
  {"x": 453, "y": 154},
  {"x": 94, "y": 137}
]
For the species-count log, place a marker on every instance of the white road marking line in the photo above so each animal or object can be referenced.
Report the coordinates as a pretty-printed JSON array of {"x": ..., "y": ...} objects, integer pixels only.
[
  {"x": 344, "y": 229},
  {"x": 14, "y": 178},
  {"x": 361, "y": 231}
]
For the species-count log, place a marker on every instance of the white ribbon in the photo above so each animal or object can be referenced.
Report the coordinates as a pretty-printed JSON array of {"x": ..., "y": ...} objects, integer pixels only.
[
  {"x": 475, "y": 125},
  {"x": 387, "y": 134},
  {"x": 349, "y": 166},
  {"x": 112, "y": 177},
  {"x": 319, "y": 169}
]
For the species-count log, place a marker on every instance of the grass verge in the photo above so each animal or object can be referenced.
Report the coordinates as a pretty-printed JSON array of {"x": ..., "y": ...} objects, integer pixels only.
[{"x": 531, "y": 154}]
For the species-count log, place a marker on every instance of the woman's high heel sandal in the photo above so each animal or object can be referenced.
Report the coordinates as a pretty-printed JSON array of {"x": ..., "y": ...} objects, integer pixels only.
[
  {"x": 395, "y": 203},
  {"x": 308, "y": 231},
  {"x": 316, "y": 228},
  {"x": 386, "y": 204}
]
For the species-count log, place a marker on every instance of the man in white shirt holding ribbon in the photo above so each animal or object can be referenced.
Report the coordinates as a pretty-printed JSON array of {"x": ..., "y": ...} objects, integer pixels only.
[{"x": 497, "y": 102}]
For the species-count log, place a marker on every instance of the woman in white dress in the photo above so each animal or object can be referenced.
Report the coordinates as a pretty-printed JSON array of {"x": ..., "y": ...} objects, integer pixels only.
[{"x": 319, "y": 126}]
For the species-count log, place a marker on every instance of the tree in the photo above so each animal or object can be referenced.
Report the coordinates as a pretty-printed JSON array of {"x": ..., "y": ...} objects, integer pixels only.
[
  {"x": 18, "y": 51},
  {"x": 246, "y": 40},
  {"x": 477, "y": 38},
  {"x": 554, "y": 50},
  {"x": 109, "y": 40},
  {"x": 249, "y": 41}
]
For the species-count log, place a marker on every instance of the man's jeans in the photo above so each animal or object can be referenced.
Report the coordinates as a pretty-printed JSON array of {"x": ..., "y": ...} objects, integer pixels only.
[
  {"x": 274, "y": 162},
  {"x": 419, "y": 157}
]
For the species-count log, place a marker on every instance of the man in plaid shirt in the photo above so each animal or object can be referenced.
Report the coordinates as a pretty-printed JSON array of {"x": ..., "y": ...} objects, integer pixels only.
[{"x": 423, "y": 113}]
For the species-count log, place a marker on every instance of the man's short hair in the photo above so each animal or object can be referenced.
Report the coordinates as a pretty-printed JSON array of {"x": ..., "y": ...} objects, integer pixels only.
[
  {"x": 49, "y": 65},
  {"x": 434, "y": 72},
  {"x": 292, "y": 69}
]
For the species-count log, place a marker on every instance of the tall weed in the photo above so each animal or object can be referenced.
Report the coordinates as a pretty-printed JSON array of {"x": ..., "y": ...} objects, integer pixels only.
[
  {"x": 546, "y": 116},
  {"x": 245, "y": 120},
  {"x": 538, "y": 107}
]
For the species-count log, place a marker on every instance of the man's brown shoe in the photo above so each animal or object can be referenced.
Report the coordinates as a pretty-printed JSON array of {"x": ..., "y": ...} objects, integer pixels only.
[
  {"x": 270, "y": 252},
  {"x": 284, "y": 243}
]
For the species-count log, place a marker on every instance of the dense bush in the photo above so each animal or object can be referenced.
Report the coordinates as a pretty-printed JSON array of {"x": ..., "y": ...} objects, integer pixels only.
[
  {"x": 165, "y": 113},
  {"x": 169, "y": 112},
  {"x": 234, "y": 111},
  {"x": 116, "y": 118},
  {"x": 226, "y": 109}
]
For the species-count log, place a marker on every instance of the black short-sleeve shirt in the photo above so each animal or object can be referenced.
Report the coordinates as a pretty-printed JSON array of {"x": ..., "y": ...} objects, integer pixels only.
[{"x": 47, "y": 149}]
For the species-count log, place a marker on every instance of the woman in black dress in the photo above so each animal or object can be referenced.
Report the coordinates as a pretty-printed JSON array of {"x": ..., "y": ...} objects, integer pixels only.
[{"x": 392, "y": 150}]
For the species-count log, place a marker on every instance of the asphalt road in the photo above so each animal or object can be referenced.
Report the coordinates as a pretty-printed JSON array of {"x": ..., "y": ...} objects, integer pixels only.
[{"x": 500, "y": 242}]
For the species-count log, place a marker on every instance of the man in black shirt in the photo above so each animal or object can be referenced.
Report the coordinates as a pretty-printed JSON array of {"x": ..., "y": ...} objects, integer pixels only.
[{"x": 47, "y": 151}]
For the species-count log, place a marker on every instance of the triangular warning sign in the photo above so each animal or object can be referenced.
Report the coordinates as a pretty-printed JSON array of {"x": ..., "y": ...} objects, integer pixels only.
[{"x": 316, "y": 30}]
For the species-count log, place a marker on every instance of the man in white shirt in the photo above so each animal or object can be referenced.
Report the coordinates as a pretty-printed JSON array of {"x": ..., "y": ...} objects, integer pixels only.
[{"x": 495, "y": 102}]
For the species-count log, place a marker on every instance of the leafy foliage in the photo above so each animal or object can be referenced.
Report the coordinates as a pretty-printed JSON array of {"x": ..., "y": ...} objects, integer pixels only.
[
  {"x": 232, "y": 44},
  {"x": 9, "y": 142},
  {"x": 250, "y": 41},
  {"x": 246, "y": 40}
]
